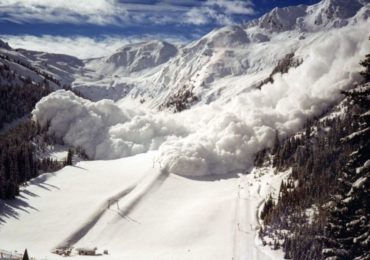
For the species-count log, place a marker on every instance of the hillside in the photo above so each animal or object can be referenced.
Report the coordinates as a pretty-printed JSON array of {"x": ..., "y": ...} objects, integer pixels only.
[{"x": 183, "y": 145}]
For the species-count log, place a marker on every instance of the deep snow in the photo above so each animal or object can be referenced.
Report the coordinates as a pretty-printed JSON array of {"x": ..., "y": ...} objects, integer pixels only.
[
  {"x": 221, "y": 137},
  {"x": 180, "y": 193},
  {"x": 135, "y": 210}
]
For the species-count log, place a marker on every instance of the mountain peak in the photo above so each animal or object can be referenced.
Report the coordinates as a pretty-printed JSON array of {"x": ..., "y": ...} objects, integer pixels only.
[
  {"x": 341, "y": 8},
  {"x": 4, "y": 45},
  {"x": 327, "y": 13},
  {"x": 139, "y": 56},
  {"x": 231, "y": 36}
]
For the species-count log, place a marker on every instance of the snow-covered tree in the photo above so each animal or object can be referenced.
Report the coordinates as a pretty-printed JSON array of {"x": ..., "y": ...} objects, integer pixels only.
[{"x": 347, "y": 234}]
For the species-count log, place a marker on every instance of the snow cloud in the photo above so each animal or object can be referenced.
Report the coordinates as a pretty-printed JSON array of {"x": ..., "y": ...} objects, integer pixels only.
[
  {"x": 102, "y": 128},
  {"x": 214, "y": 138}
]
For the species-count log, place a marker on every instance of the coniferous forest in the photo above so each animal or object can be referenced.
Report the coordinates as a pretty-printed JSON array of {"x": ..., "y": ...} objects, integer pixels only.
[
  {"x": 323, "y": 210},
  {"x": 21, "y": 140},
  {"x": 18, "y": 157}
]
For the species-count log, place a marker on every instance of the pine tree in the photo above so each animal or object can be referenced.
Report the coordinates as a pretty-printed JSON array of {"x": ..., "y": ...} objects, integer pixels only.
[
  {"x": 276, "y": 143},
  {"x": 69, "y": 157},
  {"x": 25, "y": 255},
  {"x": 366, "y": 63},
  {"x": 348, "y": 230}
]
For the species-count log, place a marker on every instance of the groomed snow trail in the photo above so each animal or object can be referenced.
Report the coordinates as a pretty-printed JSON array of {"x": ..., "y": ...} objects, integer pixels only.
[
  {"x": 252, "y": 190},
  {"x": 131, "y": 195},
  {"x": 140, "y": 212},
  {"x": 56, "y": 205}
]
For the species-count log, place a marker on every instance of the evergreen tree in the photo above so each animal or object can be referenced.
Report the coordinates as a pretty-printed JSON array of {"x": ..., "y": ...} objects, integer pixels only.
[
  {"x": 330, "y": 164},
  {"x": 276, "y": 143},
  {"x": 25, "y": 255},
  {"x": 348, "y": 230},
  {"x": 69, "y": 157}
]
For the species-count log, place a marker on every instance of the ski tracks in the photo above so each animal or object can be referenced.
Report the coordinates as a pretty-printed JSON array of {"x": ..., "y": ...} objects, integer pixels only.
[
  {"x": 126, "y": 200},
  {"x": 246, "y": 224}
]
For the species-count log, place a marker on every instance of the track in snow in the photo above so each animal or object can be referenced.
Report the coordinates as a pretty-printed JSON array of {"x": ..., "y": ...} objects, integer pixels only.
[
  {"x": 155, "y": 216},
  {"x": 134, "y": 193},
  {"x": 246, "y": 221}
]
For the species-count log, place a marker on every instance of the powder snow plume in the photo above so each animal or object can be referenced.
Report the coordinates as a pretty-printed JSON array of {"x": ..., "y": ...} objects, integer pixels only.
[{"x": 215, "y": 138}]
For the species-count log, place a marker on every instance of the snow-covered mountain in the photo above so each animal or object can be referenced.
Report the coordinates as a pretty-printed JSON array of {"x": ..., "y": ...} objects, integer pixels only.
[
  {"x": 139, "y": 56},
  {"x": 183, "y": 178},
  {"x": 57, "y": 69},
  {"x": 238, "y": 68},
  {"x": 232, "y": 74},
  {"x": 244, "y": 55},
  {"x": 162, "y": 75},
  {"x": 324, "y": 15}
]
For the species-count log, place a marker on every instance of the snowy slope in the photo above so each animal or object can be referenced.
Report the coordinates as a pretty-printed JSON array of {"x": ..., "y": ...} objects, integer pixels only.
[
  {"x": 225, "y": 62},
  {"x": 55, "y": 205},
  {"x": 57, "y": 69},
  {"x": 233, "y": 53},
  {"x": 135, "y": 211},
  {"x": 189, "y": 199},
  {"x": 222, "y": 136}
]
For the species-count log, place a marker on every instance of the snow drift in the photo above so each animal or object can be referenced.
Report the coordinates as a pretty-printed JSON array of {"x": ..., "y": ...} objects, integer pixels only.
[{"x": 215, "y": 138}]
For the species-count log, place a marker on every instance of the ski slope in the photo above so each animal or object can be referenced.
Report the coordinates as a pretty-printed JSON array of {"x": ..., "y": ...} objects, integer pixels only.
[
  {"x": 176, "y": 202},
  {"x": 135, "y": 210},
  {"x": 55, "y": 205}
]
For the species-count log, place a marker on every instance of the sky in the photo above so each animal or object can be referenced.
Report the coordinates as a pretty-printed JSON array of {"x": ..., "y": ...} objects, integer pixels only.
[{"x": 92, "y": 28}]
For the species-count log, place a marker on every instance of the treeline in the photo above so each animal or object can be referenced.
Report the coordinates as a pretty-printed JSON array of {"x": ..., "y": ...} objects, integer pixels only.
[
  {"x": 18, "y": 157},
  {"x": 22, "y": 145},
  {"x": 20, "y": 97},
  {"x": 323, "y": 209},
  {"x": 315, "y": 160},
  {"x": 17, "y": 100}
]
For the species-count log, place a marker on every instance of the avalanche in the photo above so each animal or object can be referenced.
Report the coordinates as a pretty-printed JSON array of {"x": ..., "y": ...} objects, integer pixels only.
[
  {"x": 220, "y": 137},
  {"x": 165, "y": 185}
]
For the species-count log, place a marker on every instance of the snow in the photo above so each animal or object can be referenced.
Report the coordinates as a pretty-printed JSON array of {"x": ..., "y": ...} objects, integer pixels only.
[
  {"x": 135, "y": 210},
  {"x": 359, "y": 182},
  {"x": 69, "y": 198},
  {"x": 180, "y": 192},
  {"x": 135, "y": 57},
  {"x": 4, "y": 45},
  {"x": 221, "y": 137},
  {"x": 101, "y": 128},
  {"x": 230, "y": 36}
]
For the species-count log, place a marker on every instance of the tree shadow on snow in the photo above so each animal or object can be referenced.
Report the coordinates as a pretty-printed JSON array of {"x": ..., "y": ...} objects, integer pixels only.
[{"x": 11, "y": 208}]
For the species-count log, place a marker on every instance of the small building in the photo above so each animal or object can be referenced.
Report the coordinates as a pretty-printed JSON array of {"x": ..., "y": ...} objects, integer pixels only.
[
  {"x": 64, "y": 251},
  {"x": 7, "y": 255},
  {"x": 86, "y": 250}
]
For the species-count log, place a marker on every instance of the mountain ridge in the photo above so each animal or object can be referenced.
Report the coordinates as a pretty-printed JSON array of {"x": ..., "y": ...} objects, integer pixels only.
[{"x": 153, "y": 72}]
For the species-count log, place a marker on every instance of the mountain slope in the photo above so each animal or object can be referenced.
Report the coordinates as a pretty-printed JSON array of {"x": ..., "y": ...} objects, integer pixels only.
[
  {"x": 236, "y": 115},
  {"x": 160, "y": 75},
  {"x": 242, "y": 55},
  {"x": 234, "y": 91}
]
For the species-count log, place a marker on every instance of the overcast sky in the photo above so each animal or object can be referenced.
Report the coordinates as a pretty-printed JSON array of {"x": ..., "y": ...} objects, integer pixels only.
[{"x": 90, "y": 28}]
